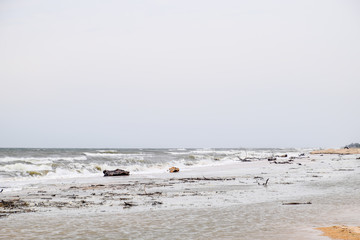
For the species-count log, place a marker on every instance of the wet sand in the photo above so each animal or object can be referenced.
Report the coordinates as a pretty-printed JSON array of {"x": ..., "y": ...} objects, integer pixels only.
[{"x": 226, "y": 202}]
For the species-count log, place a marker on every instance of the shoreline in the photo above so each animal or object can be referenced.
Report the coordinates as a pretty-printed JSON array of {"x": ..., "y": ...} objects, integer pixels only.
[
  {"x": 219, "y": 196},
  {"x": 337, "y": 151}
]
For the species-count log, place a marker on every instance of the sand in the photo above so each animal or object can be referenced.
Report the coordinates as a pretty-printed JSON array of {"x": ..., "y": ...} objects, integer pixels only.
[
  {"x": 337, "y": 151},
  {"x": 341, "y": 232},
  {"x": 231, "y": 201}
]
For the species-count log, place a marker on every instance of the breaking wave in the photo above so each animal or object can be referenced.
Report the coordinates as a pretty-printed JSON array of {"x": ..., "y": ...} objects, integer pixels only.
[{"x": 67, "y": 163}]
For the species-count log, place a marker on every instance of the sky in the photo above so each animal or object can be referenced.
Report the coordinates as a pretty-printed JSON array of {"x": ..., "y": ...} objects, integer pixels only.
[{"x": 199, "y": 73}]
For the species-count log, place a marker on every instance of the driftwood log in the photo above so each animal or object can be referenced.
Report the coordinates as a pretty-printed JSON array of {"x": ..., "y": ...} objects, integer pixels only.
[
  {"x": 296, "y": 203},
  {"x": 117, "y": 172}
]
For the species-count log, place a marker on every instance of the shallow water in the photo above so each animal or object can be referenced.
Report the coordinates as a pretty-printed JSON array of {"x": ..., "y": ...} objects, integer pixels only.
[
  {"x": 251, "y": 221},
  {"x": 263, "y": 220},
  {"x": 238, "y": 209}
]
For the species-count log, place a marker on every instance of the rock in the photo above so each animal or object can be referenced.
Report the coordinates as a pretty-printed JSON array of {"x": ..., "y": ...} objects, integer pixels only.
[
  {"x": 117, "y": 172},
  {"x": 174, "y": 169}
]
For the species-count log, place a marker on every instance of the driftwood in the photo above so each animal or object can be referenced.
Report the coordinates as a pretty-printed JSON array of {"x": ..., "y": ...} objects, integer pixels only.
[
  {"x": 283, "y": 162},
  {"x": 129, "y": 204},
  {"x": 156, "y": 203},
  {"x": 296, "y": 203},
  {"x": 149, "y": 194},
  {"x": 117, "y": 172},
  {"x": 202, "y": 179}
]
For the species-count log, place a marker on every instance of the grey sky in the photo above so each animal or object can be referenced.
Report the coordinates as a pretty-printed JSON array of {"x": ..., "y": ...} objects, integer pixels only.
[{"x": 179, "y": 73}]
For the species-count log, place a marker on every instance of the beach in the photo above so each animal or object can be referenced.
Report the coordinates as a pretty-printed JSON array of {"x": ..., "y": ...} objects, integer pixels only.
[
  {"x": 236, "y": 194},
  {"x": 342, "y": 151}
]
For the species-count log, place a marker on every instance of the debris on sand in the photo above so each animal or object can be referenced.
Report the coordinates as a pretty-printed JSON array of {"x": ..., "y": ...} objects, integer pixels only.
[
  {"x": 10, "y": 206},
  {"x": 193, "y": 179},
  {"x": 296, "y": 203}
]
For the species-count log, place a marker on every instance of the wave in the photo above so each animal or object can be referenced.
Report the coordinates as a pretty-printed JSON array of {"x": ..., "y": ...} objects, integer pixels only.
[
  {"x": 41, "y": 159},
  {"x": 19, "y": 167},
  {"x": 83, "y": 169},
  {"x": 147, "y": 161},
  {"x": 114, "y": 154}
]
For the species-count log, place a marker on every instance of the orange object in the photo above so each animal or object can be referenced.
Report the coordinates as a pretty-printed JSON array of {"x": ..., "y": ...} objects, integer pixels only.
[{"x": 174, "y": 169}]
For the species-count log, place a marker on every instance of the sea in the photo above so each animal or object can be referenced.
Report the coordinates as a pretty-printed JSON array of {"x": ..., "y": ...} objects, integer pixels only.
[{"x": 35, "y": 163}]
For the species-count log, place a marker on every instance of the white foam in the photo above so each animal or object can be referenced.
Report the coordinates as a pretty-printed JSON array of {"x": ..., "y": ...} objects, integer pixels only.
[
  {"x": 21, "y": 167},
  {"x": 42, "y": 159}
]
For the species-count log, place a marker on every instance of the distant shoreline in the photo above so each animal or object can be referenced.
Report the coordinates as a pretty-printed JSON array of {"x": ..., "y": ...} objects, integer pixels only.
[{"x": 337, "y": 151}]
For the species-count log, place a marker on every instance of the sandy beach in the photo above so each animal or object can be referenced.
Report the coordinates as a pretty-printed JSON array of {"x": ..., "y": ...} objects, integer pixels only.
[
  {"x": 224, "y": 201},
  {"x": 342, "y": 232},
  {"x": 343, "y": 151}
]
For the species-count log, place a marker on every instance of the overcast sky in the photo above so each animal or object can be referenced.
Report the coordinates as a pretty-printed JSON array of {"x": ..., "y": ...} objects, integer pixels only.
[{"x": 179, "y": 73}]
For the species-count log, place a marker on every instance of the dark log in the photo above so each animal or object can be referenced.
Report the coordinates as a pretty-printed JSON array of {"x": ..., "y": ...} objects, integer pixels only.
[
  {"x": 296, "y": 203},
  {"x": 150, "y": 194},
  {"x": 129, "y": 204},
  {"x": 117, "y": 172},
  {"x": 283, "y": 162},
  {"x": 201, "y": 179}
]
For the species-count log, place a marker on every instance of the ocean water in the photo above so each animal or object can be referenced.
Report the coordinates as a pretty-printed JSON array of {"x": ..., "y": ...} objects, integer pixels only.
[{"x": 30, "y": 164}]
